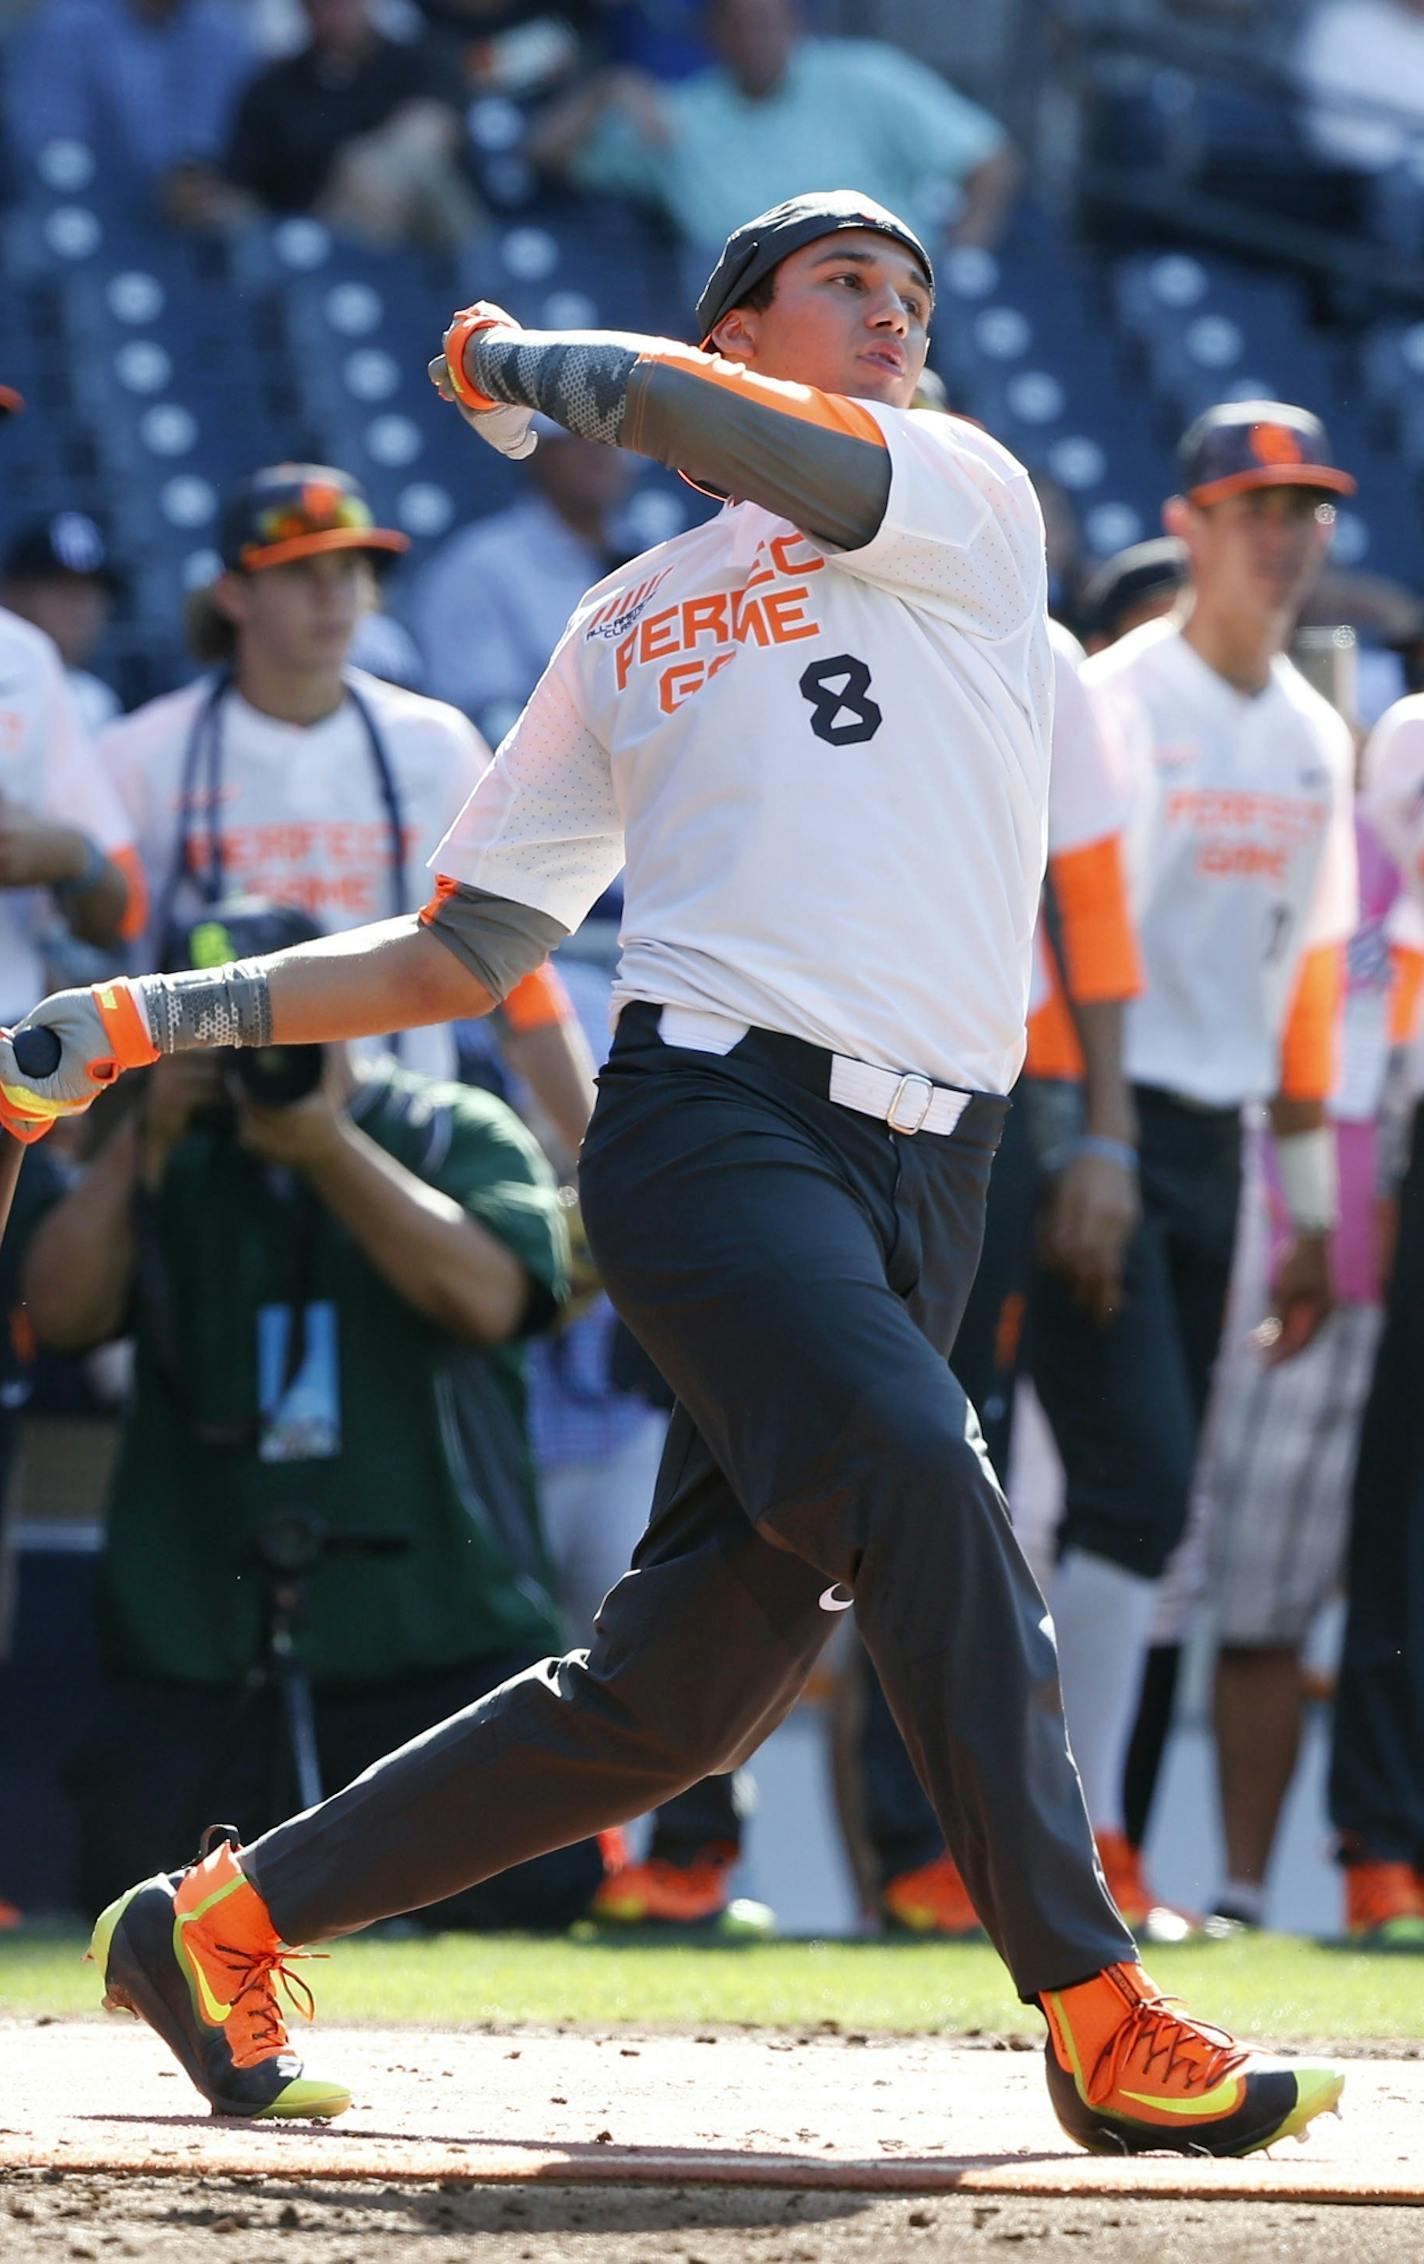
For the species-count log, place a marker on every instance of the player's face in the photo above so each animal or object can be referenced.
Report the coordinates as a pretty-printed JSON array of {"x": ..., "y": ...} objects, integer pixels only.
[
  {"x": 1261, "y": 550},
  {"x": 851, "y": 315},
  {"x": 303, "y": 615}
]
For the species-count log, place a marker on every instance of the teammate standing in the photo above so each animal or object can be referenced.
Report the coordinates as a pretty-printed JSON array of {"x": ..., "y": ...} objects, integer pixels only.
[
  {"x": 818, "y": 724},
  {"x": 1242, "y": 858},
  {"x": 290, "y": 774},
  {"x": 1377, "y": 1758}
]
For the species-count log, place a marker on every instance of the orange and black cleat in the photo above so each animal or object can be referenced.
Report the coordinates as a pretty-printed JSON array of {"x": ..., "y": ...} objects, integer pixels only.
[
  {"x": 195, "y": 1955},
  {"x": 932, "y": 1900},
  {"x": 695, "y": 1895},
  {"x": 1384, "y": 1905},
  {"x": 1130, "y": 2073}
]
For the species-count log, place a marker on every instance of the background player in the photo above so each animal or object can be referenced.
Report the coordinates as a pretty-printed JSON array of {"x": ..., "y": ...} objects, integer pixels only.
[
  {"x": 835, "y": 697},
  {"x": 1243, "y": 871}
]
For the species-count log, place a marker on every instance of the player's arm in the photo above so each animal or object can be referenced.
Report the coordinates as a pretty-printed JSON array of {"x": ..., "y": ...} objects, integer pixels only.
[
  {"x": 818, "y": 459},
  {"x": 457, "y": 957},
  {"x": 1094, "y": 1206},
  {"x": 1301, "y": 1293}
]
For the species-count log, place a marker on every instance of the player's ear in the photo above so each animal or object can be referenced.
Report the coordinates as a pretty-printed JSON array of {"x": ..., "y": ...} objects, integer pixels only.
[
  {"x": 229, "y": 595},
  {"x": 1176, "y": 516},
  {"x": 735, "y": 336}
]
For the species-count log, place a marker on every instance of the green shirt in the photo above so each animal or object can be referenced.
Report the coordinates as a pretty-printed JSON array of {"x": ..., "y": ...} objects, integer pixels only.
[
  {"x": 429, "y": 1449},
  {"x": 849, "y": 113}
]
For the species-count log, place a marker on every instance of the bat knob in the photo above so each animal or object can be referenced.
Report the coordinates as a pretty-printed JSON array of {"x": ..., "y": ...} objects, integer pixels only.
[{"x": 37, "y": 1052}]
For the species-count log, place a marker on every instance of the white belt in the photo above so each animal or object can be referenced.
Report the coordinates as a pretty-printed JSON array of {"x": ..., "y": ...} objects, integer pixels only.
[{"x": 907, "y": 1104}]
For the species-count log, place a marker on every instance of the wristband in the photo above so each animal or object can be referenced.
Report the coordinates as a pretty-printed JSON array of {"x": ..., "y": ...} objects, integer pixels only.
[
  {"x": 1120, "y": 1152},
  {"x": 218, "y": 1006},
  {"x": 468, "y": 324},
  {"x": 79, "y": 884},
  {"x": 1306, "y": 1162}
]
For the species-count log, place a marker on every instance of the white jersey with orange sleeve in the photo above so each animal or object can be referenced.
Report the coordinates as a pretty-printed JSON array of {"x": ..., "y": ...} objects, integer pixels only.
[
  {"x": 1241, "y": 852},
  {"x": 48, "y": 767},
  {"x": 1089, "y": 800},
  {"x": 828, "y": 768}
]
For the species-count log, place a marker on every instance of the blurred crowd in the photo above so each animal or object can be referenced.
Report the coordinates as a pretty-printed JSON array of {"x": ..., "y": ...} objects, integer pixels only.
[{"x": 377, "y": 1440}]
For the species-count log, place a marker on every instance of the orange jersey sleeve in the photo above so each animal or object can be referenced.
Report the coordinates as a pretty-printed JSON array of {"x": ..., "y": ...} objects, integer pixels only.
[
  {"x": 1405, "y": 992},
  {"x": 135, "y": 912},
  {"x": 537, "y": 1001},
  {"x": 1310, "y": 1040},
  {"x": 1090, "y": 886}
]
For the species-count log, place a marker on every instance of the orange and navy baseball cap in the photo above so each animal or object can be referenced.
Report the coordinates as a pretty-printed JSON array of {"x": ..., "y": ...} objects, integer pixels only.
[
  {"x": 295, "y": 510},
  {"x": 759, "y": 245},
  {"x": 1245, "y": 444}
]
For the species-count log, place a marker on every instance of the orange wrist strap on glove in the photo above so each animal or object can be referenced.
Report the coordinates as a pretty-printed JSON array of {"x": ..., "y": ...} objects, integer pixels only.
[
  {"x": 127, "y": 1030},
  {"x": 468, "y": 324}
]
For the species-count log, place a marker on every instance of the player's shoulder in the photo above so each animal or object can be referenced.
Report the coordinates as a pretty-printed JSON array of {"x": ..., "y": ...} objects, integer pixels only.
[
  {"x": 412, "y": 720},
  {"x": 1144, "y": 653},
  {"x": 1402, "y": 724},
  {"x": 939, "y": 437},
  {"x": 28, "y": 658},
  {"x": 159, "y": 725}
]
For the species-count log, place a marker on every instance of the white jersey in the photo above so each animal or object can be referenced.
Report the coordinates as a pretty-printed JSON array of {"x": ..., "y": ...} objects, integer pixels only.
[
  {"x": 48, "y": 767},
  {"x": 829, "y": 769},
  {"x": 1394, "y": 801},
  {"x": 1241, "y": 855},
  {"x": 1089, "y": 790},
  {"x": 302, "y": 816}
]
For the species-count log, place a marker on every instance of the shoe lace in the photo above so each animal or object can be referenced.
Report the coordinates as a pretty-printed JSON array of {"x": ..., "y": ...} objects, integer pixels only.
[
  {"x": 255, "y": 1997},
  {"x": 1167, "y": 2047}
]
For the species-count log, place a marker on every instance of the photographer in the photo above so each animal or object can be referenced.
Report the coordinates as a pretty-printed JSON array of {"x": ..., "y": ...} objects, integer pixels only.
[{"x": 323, "y": 1492}]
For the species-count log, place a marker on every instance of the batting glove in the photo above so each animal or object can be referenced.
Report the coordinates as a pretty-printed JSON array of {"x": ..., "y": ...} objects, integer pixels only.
[
  {"x": 504, "y": 426},
  {"x": 101, "y": 1033}
]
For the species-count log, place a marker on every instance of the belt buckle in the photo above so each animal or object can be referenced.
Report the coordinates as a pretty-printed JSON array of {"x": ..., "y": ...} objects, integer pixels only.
[{"x": 919, "y": 1093}]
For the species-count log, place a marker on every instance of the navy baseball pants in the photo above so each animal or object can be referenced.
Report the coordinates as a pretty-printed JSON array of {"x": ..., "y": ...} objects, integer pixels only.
[
  {"x": 1377, "y": 1758},
  {"x": 797, "y": 1272}
]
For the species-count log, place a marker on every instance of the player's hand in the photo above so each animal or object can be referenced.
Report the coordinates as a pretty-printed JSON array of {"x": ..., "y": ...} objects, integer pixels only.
[
  {"x": 303, "y": 1134},
  {"x": 502, "y": 425},
  {"x": 1301, "y": 1297},
  {"x": 101, "y": 1032},
  {"x": 1091, "y": 1215},
  {"x": 34, "y": 852}
]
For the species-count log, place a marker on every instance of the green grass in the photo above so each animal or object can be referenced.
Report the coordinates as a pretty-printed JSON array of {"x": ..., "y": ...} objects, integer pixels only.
[{"x": 1271, "y": 1986}]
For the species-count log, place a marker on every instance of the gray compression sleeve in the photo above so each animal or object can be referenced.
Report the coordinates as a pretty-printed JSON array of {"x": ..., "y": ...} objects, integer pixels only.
[
  {"x": 498, "y": 941},
  {"x": 209, "y": 1006},
  {"x": 615, "y": 389}
]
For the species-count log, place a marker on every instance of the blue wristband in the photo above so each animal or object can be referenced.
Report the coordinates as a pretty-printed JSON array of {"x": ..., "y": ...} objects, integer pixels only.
[
  {"x": 78, "y": 883},
  {"x": 1111, "y": 1151}
]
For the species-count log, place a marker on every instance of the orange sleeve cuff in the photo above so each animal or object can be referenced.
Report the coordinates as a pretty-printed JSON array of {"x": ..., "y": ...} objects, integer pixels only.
[
  {"x": 444, "y": 888},
  {"x": 1090, "y": 887},
  {"x": 135, "y": 912},
  {"x": 1310, "y": 1042},
  {"x": 1408, "y": 983},
  {"x": 538, "y": 1001}
]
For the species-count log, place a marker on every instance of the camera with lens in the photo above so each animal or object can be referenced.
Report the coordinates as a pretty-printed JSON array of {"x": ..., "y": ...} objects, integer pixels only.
[
  {"x": 250, "y": 927},
  {"x": 273, "y": 1076}
]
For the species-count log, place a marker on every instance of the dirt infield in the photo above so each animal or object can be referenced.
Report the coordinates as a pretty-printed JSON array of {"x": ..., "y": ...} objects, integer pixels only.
[{"x": 554, "y": 2144}]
